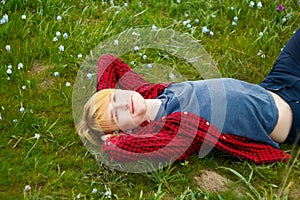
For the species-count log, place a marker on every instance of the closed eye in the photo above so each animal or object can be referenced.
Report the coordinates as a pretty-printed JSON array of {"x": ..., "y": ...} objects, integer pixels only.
[
  {"x": 114, "y": 98},
  {"x": 116, "y": 116}
]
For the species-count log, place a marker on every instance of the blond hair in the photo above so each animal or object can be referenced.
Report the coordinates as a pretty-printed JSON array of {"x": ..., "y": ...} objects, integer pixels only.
[{"x": 94, "y": 122}]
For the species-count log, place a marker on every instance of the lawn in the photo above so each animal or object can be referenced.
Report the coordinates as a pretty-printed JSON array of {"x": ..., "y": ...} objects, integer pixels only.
[{"x": 45, "y": 43}]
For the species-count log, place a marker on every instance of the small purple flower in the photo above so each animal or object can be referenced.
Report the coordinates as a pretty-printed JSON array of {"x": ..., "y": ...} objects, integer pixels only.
[{"x": 280, "y": 8}]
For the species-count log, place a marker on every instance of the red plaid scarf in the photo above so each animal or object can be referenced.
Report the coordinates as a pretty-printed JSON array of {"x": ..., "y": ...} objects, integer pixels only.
[{"x": 179, "y": 132}]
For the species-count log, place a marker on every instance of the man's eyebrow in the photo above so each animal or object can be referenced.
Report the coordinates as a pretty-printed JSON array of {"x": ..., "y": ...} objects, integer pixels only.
[{"x": 111, "y": 112}]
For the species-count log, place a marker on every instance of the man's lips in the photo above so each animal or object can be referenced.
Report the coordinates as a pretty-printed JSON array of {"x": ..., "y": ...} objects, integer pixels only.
[{"x": 132, "y": 107}]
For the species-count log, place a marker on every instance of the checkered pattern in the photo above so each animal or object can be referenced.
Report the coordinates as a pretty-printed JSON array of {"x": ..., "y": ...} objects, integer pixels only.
[{"x": 176, "y": 136}]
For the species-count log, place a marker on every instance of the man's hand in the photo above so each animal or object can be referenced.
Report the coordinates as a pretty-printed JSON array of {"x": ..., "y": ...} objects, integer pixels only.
[{"x": 105, "y": 137}]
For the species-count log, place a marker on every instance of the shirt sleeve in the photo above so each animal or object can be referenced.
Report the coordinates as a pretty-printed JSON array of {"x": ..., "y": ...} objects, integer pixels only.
[
  {"x": 114, "y": 73},
  {"x": 168, "y": 144}
]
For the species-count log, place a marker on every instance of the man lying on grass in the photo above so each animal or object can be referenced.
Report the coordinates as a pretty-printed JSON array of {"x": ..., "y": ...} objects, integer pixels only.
[{"x": 171, "y": 121}]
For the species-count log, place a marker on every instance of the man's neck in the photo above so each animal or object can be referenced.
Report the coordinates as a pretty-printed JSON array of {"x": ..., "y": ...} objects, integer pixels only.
[{"x": 153, "y": 106}]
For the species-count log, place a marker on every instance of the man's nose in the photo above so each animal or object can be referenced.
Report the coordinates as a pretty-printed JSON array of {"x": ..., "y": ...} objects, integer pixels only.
[{"x": 122, "y": 106}]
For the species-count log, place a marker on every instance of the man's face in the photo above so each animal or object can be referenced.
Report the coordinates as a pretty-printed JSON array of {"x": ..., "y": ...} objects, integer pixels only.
[{"x": 128, "y": 109}]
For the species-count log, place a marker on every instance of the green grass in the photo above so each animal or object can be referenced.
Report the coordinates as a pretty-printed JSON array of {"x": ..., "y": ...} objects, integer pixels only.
[{"x": 57, "y": 165}]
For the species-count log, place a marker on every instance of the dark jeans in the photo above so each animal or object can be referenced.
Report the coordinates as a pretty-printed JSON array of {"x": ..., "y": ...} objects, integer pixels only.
[{"x": 284, "y": 80}]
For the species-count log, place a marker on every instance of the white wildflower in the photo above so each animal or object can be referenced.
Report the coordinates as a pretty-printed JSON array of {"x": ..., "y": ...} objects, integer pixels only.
[
  {"x": 22, "y": 109},
  {"x": 89, "y": 76},
  {"x": 259, "y": 52},
  {"x": 9, "y": 71},
  {"x": 172, "y": 76},
  {"x": 65, "y": 35},
  {"x": 37, "y": 136},
  {"x": 27, "y": 188},
  {"x": 154, "y": 28},
  {"x": 108, "y": 194},
  {"x": 20, "y": 66},
  {"x": 259, "y": 5},
  {"x": 284, "y": 19},
  {"x": 94, "y": 191},
  {"x": 205, "y": 29},
  {"x": 135, "y": 33},
  {"x": 61, "y": 48},
  {"x": 149, "y": 66},
  {"x": 57, "y": 34},
  {"x": 7, "y": 48},
  {"x": 4, "y": 19}
]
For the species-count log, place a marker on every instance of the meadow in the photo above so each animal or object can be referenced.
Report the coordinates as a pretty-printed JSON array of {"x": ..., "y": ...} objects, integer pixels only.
[{"x": 43, "y": 45}]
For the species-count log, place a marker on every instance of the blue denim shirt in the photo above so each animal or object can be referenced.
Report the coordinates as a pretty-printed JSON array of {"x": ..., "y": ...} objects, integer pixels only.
[{"x": 233, "y": 106}]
